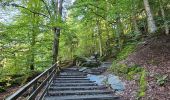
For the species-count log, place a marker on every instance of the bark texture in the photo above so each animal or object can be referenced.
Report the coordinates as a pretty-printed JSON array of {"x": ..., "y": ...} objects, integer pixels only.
[
  {"x": 164, "y": 18},
  {"x": 151, "y": 23},
  {"x": 56, "y": 31}
]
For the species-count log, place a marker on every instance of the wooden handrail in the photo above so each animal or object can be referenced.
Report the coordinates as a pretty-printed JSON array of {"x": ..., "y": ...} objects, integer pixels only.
[{"x": 50, "y": 72}]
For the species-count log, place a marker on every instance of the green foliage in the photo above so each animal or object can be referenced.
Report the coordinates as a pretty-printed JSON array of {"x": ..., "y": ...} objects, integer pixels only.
[
  {"x": 134, "y": 72},
  {"x": 105, "y": 26},
  {"x": 2, "y": 89},
  {"x": 142, "y": 84},
  {"x": 124, "y": 70},
  {"x": 119, "y": 68},
  {"x": 161, "y": 79},
  {"x": 126, "y": 51}
]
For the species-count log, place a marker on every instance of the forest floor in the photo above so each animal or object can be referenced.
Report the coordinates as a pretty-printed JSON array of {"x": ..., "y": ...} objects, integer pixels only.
[
  {"x": 154, "y": 56},
  {"x": 8, "y": 91}
]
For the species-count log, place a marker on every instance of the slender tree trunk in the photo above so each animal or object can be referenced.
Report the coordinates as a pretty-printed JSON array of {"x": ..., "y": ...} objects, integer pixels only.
[
  {"x": 108, "y": 50},
  {"x": 134, "y": 21},
  {"x": 100, "y": 44},
  {"x": 33, "y": 41},
  {"x": 120, "y": 33},
  {"x": 57, "y": 31},
  {"x": 55, "y": 44},
  {"x": 135, "y": 25},
  {"x": 32, "y": 51},
  {"x": 164, "y": 18},
  {"x": 99, "y": 38},
  {"x": 151, "y": 23}
]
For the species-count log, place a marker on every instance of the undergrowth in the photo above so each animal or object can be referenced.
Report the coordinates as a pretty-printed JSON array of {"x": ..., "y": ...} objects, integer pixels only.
[
  {"x": 133, "y": 72},
  {"x": 9, "y": 79}
]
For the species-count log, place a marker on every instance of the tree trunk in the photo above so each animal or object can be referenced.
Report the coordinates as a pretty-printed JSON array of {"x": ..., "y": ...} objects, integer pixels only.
[
  {"x": 55, "y": 44},
  {"x": 134, "y": 21},
  {"x": 135, "y": 25},
  {"x": 33, "y": 41},
  {"x": 57, "y": 31},
  {"x": 164, "y": 19},
  {"x": 100, "y": 44},
  {"x": 120, "y": 33},
  {"x": 99, "y": 37},
  {"x": 151, "y": 23},
  {"x": 32, "y": 51}
]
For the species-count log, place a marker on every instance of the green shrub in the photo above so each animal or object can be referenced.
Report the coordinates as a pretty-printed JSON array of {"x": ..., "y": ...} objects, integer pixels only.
[
  {"x": 119, "y": 69},
  {"x": 129, "y": 73},
  {"x": 124, "y": 70},
  {"x": 2, "y": 89},
  {"x": 161, "y": 79},
  {"x": 142, "y": 84},
  {"x": 124, "y": 53}
]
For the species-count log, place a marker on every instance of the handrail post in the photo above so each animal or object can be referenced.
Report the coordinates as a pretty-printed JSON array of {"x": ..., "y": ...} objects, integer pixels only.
[
  {"x": 35, "y": 86},
  {"x": 47, "y": 83}
]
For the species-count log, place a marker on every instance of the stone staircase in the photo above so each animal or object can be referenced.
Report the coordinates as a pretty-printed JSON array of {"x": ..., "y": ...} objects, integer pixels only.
[{"x": 73, "y": 84}]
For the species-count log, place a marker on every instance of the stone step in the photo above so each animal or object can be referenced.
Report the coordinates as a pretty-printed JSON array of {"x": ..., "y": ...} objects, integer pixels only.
[
  {"x": 95, "y": 73},
  {"x": 72, "y": 81},
  {"x": 55, "y": 88},
  {"x": 74, "y": 84},
  {"x": 73, "y": 73},
  {"x": 83, "y": 97},
  {"x": 78, "y": 92},
  {"x": 73, "y": 68},
  {"x": 79, "y": 76}
]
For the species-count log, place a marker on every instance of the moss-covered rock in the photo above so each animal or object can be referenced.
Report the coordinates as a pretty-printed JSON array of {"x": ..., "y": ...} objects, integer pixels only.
[
  {"x": 91, "y": 64},
  {"x": 79, "y": 59}
]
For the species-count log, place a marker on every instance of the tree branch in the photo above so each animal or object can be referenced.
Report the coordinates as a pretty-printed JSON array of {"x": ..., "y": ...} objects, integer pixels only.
[
  {"x": 47, "y": 8},
  {"x": 16, "y": 5},
  {"x": 101, "y": 16}
]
